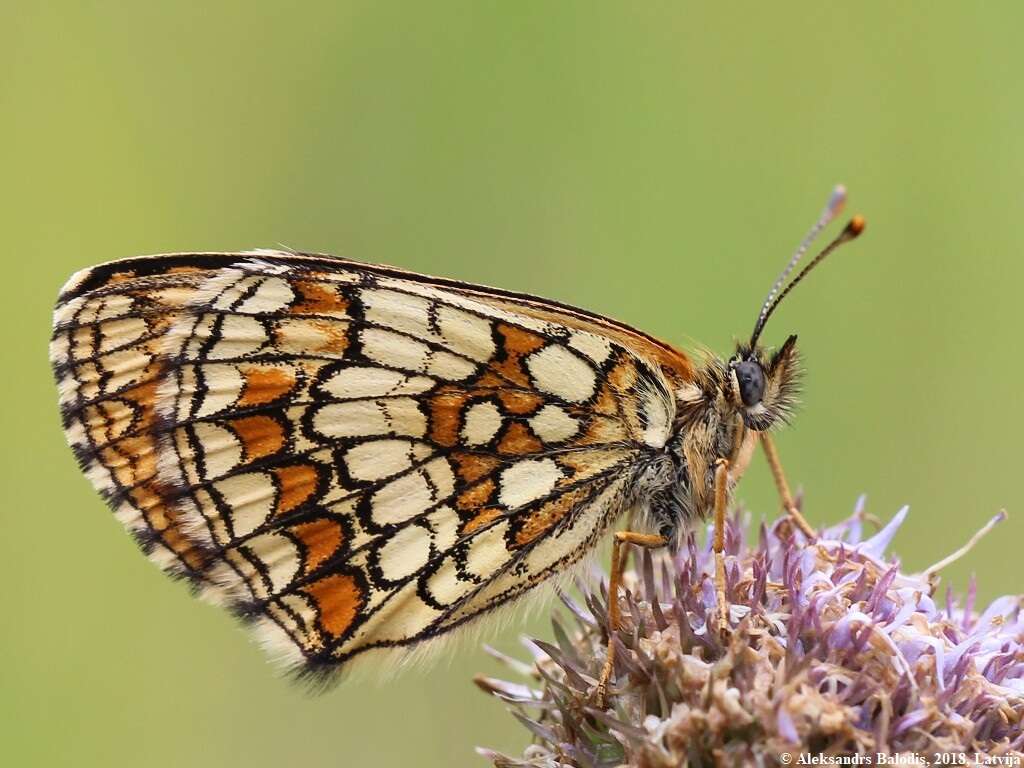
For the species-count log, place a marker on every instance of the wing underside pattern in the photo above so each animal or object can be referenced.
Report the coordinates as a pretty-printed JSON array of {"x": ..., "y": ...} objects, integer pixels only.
[{"x": 352, "y": 457}]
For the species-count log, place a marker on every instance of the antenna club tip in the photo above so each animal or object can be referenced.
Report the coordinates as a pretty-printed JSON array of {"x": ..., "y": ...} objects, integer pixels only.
[
  {"x": 837, "y": 200},
  {"x": 856, "y": 225}
]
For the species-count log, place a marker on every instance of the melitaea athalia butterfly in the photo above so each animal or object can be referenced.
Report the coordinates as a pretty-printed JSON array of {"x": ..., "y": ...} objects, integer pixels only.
[{"x": 353, "y": 457}]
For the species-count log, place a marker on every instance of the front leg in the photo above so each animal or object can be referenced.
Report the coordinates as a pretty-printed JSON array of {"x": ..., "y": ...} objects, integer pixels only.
[
  {"x": 718, "y": 541},
  {"x": 783, "y": 487}
]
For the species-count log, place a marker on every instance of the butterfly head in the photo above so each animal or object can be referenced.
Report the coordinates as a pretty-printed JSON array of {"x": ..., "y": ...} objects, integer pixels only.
[{"x": 763, "y": 385}]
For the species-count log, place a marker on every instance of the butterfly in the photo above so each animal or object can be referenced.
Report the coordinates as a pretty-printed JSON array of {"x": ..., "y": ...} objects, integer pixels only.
[{"x": 352, "y": 457}]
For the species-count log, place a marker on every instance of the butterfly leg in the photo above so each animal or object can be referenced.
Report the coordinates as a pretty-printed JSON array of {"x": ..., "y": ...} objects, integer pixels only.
[
  {"x": 614, "y": 613},
  {"x": 783, "y": 487},
  {"x": 718, "y": 540}
]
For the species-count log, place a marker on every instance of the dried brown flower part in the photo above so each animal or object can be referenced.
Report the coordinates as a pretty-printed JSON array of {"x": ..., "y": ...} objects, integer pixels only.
[{"x": 832, "y": 650}]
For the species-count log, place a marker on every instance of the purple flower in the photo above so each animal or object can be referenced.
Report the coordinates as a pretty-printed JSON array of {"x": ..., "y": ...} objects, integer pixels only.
[{"x": 832, "y": 650}]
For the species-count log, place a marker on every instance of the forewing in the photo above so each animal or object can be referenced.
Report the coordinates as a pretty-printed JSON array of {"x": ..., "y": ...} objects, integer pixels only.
[{"x": 352, "y": 456}]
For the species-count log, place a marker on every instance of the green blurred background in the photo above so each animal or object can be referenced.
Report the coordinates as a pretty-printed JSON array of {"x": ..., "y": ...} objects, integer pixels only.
[{"x": 656, "y": 162}]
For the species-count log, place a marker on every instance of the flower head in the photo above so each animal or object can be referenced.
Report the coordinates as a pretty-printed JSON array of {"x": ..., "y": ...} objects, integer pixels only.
[{"x": 832, "y": 649}]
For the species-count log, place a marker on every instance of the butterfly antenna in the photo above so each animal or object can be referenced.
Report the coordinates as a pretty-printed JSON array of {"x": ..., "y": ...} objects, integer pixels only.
[
  {"x": 852, "y": 229},
  {"x": 833, "y": 208}
]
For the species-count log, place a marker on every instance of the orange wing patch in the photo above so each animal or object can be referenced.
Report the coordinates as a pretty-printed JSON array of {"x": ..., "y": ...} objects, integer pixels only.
[
  {"x": 446, "y": 408},
  {"x": 470, "y": 467},
  {"x": 476, "y": 495},
  {"x": 264, "y": 384},
  {"x": 261, "y": 436},
  {"x": 321, "y": 539},
  {"x": 520, "y": 403},
  {"x": 519, "y": 441},
  {"x": 318, "y": 298},
  {"x": 539, "y": 522},
  {"x": 481, "y": 519},
  {"x": 297, "y": 484},
  {"x": 338, "y": 599},
  {"x": 516, "y": 345}
]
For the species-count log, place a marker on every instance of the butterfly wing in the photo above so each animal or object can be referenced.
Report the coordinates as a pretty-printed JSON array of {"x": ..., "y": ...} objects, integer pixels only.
[{"x": 353, "y": 456}]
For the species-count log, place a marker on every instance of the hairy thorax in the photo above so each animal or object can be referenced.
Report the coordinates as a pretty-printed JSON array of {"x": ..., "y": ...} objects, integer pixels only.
[{"x": 707, "y": 428}]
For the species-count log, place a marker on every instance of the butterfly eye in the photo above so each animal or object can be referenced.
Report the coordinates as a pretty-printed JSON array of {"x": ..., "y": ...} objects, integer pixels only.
[{"x": 750, "y": 376}]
